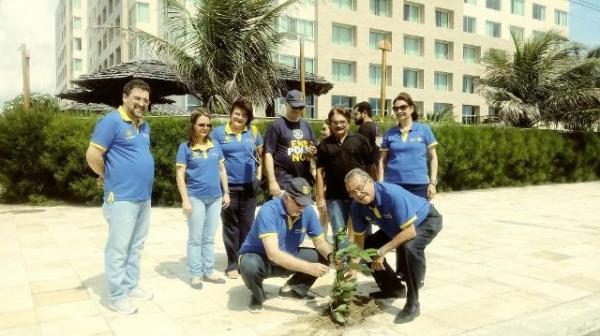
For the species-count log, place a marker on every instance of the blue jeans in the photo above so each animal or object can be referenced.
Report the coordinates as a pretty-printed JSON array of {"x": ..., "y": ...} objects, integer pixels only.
[
  {"x": 338, "y": 211},
  {"x": 202, "y": 227},
  {"x": 128, "y": 223}
]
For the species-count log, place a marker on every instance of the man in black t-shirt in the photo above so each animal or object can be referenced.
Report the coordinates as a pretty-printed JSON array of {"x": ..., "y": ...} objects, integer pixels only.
[
  {"x": 289, "y": 145},
  {"x": 336, "y": 156},
  {"x": 363, "y": 114}
]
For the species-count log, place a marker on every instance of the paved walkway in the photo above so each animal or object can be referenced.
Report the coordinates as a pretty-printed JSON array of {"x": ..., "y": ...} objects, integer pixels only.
[{"x": 515, "y": 261}]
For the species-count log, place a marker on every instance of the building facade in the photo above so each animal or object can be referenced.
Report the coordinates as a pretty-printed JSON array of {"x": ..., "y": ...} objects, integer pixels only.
[{"x": 436, "y": 45}]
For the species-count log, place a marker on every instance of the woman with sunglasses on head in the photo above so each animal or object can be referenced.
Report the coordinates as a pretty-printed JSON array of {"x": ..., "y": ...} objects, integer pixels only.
[
  {"x": 406, "y": 151},
  {"x": 202, "y": 184},
  {"x": 242, "y": 147}
]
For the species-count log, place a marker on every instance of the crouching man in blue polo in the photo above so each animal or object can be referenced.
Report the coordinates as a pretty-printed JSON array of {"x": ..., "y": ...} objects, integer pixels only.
[
  {"x": 272, "y": 247},
  {"x": 406, "y": 222},
  {"x": 119, "y": 153}
]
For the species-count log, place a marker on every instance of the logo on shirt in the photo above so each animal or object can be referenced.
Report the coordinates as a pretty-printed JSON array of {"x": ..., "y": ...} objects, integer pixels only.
[
  {"x": 129, "y": 134},
  {"x": 305, "y": 190},
  {"x": 297, "y": 134},
  {"x": 416, "y": 139},
  {"x": 388, "y": 216}
]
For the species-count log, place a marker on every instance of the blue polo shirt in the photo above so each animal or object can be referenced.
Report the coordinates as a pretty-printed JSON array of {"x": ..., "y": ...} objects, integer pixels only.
[
  {"x": 395, "y": 209},
  {"x": 239, "y": 150},
  {"x": 201, "y": 165},
  {"x": 407, "y": 154},
  {"x": 272, "y": 220},
  {"x": 128, "y": 162}
]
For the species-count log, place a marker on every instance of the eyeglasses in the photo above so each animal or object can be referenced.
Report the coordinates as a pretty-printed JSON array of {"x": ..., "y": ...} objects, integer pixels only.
[
  {"x": 401, "y": 107},
  {"x": 204, "y": 125},
  {"x": 297, "y": 108},
  {"x": 360, "y": 189},
  {"x": 240, "y": 115}
]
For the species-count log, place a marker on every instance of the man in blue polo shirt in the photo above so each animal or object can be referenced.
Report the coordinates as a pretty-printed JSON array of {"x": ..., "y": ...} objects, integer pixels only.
[
  {"x": 119, "y": 152},
  {"x": 272, "y": 248},
  {"x": 406, "y": 222}
]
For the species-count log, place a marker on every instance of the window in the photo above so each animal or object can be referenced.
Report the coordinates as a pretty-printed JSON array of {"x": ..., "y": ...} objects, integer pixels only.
[
  {"x": 308, "y": 3},
  {"x": 376, "y": 106},
  {"x": 471, "y": 2},
  {"x": 537, "y": 34},
  {"x": 376, "y": 36},
  {"x": 471, "y": 54},
  {"x": 443, "y": 50},
  {"x": 469, "y": 24},
  {"x": 469, "y": 114},
  {"x": 469, "y": 83},
  {"x": 342, "y": 35},
  {"x": 413, "y": 45},
  {"x": 77, "y": 43},
  {"x": 342, "y": 71},
  {"x": 413, "y": 13},
  {"x": 380, "y": 7},
  {"x": 560, "y": 18},
  {"x": 539, "y": 12},
  {"x": 143, "y": 12},
  {"x": 296, "y": 26},
  {"x": 441, "y": 107},
  {"x": 309, "y": 109},
  {"x": 413, "y": 78},
  {"x": 493, "y": 29},
  {"x": 76, "y": 23},
  {"x": 492, "y": 4},
  {"x": 344, "y": 4},
  {"x": 443, "y": 18},
  {"x": 518, "y": 33},
  {"x": 343, "y": 101},
  {"x": 77, "y": 65},
  {"x": 375, "y": 74},
  {"x": 118, "y": 55},
  {"x": 294, "y": 62},
  {"x": 76, "y": 4},
  {"x": 517, "y": 7},
  {"x": 442, "y": 81}
]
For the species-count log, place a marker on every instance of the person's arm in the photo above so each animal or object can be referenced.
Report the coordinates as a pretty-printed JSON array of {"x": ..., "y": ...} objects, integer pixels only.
[
  {"x": 182, "y": 187},
  {"x": 383, "y": 159},
  {"x": 405, "y": 235},
  {"x": 290, "y": 262},
  {"x": 433, "y": 170},
  {"x": 321, "y": 191},
  {"x": 95, "y": 159},
  {"x": 323, "y": 247},
  {"x": 260, "y": 158},
  {"x": 224, "y": 184},
  {"x": 274, "y": 188}
]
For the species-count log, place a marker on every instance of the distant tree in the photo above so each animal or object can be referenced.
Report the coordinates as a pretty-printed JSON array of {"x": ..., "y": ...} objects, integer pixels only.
[
  {"x": 544, "y": 81},
  {"x": 221, "y": 49}
]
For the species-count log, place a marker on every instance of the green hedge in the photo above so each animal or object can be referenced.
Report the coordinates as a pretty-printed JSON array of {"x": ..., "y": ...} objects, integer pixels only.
[{"x": 42, "y": 156}]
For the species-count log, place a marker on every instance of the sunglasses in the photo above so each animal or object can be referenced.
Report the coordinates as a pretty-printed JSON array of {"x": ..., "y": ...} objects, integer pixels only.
[
  {"x": 204, "y": 125},
  {"x": 400, "y": 108}
]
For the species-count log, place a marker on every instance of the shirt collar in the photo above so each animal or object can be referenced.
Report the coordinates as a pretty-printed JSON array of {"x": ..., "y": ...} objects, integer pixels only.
[
  {"x": 228, "y": 129},
  {"x": 412, "y": 127},
  {"x": 208, "y": 145},
  {"x": 125, "y": 116}
]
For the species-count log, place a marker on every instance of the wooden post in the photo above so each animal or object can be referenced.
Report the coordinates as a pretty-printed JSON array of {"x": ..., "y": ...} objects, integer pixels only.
[
  {"x": 302, "y": 67},
  {"x": 25, "y": 60},
  {"x": 384, "y": 45}
]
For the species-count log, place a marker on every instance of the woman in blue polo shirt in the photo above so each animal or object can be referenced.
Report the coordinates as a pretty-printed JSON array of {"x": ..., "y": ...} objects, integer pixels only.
[
  {"x": 202, "y": 183},
  {"x": 407, "y": 150},
  {"x": 242, "y": 148}
]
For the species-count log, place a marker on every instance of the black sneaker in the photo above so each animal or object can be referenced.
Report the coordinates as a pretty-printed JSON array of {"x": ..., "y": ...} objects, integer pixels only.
[
  {"x": 389, "y": 295},
  {"x": 293, "y": 295},
  {"x": 254, "y": 307}
]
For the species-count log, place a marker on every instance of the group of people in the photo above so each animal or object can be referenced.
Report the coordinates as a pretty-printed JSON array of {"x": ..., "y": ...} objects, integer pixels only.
[{"x": 361, "y": 180}]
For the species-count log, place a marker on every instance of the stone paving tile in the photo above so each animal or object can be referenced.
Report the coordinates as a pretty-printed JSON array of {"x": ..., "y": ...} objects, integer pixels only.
[{"x": 490, "y": 272}]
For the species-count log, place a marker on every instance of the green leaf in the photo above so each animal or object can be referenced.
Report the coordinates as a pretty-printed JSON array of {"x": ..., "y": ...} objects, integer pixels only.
[
  {"x": 339, "y": 317},
  {"x": 343, "y": 308}
]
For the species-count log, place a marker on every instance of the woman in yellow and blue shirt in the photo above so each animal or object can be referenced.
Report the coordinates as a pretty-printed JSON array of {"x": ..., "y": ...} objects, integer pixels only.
[{"x": 202, "y": 183}]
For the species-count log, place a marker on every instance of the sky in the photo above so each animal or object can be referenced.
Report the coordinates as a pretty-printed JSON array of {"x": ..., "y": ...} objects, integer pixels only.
[{"x": 32, "y": 22}]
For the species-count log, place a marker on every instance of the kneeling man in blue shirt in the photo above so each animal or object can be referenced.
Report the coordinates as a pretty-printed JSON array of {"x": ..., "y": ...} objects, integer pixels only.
[
  {"x": 406, "y": 222},
  {"x": 272, "y": 247}
]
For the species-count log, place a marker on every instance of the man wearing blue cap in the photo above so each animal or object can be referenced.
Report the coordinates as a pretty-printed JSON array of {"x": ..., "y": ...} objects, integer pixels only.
[
  {"x": 289, "y": 146},
  {"x": 272, "y": 247}
]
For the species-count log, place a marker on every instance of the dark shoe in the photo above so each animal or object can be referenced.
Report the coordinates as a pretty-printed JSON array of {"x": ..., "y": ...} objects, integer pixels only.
[
  {"x": 196, "y": 282},
  {"x": 389, "y": 295},
  {"x": 409, "y": 313},
  {"x": 213, "y": 279},
  {"x": 254, "y": 307},
  {"x": 293, "y": 295}
]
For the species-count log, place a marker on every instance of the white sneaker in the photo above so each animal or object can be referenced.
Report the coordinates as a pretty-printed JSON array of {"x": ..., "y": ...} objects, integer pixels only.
[
  {"x": 140, "y": 294},
  {"x": 124, "y": 307}
]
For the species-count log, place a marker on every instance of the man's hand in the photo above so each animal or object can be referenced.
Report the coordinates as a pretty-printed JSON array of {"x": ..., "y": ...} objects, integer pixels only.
[
  {"x": 312, "y": 150},
  {"x": 318, "y": 269},
  {"x": 226, "y": 201},
  {"x": 431, "y": 191},
  {"x": 377, "y": 264},
  {"x": 274, "y": 188},
  {"x": 187, "y": 208}
]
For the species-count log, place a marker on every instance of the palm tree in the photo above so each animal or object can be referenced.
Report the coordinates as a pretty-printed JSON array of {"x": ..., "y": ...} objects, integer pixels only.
[
  {"x": 221, "y": 49},
  {"x": 543, "y": 82}
]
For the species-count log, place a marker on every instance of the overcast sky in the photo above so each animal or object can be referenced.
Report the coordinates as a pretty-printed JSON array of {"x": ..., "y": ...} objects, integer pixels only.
[{"x": 32, "y": 22}]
